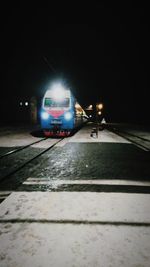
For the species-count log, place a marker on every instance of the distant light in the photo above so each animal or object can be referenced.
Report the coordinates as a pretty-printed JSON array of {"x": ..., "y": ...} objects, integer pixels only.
[
  {"x": 68, "y": 116},
  {"x": 77, "y": 106},
  {"x": 20, "y": 103},
  {"x": 100, "y": 106},
  {"x": 26, "y": 103},
  {"x": 103, "y": 120},
  {"x": 90, "y": 107},
  {"x": 99, "y": 113},
  {"x": 44, "y": 115},
  {"x": 90, "y": 116}
]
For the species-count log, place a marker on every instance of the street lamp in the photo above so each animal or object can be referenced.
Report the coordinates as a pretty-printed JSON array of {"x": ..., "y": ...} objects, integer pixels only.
[{"x": 100, "y": 106}]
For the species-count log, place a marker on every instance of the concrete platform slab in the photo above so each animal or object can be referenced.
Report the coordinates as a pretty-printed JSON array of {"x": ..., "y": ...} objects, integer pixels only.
[
  {"x": 77, "y": 206},
  {"x": 69, "y": 245}
]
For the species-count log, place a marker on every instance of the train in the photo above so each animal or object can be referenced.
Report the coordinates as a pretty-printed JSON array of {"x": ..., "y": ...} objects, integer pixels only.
[{"x": 61, "y": 114}]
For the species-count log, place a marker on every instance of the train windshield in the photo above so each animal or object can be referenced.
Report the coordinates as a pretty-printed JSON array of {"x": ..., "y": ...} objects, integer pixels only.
[{"x": 51, "y": 102}]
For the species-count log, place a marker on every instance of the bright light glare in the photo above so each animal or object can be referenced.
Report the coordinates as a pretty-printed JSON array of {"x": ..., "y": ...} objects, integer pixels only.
[
  {"x": 77, "y": 106},
  {"x": 44, "y": 115},
  {"x": 58, "y": 92},
  {"x": 68, "y": 115},
  {"x": 100, "y": 106},
  {"x": 26, "y": 103}
]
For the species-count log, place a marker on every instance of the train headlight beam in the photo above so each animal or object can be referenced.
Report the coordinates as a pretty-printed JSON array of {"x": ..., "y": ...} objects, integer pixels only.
[
  {"x": 68, "y": 116},
  {"x": 44, "y": 115}
]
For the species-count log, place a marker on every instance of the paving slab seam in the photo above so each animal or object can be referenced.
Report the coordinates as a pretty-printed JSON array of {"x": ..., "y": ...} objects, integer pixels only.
[{"x": 76, "y": 222}]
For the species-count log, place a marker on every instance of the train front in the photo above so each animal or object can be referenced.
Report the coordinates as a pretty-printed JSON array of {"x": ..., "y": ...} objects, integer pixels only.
[{"x": 57, "y": 115}]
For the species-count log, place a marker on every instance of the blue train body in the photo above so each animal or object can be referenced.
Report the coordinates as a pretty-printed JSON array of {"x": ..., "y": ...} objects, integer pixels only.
[{"x": 60, "y": 113}]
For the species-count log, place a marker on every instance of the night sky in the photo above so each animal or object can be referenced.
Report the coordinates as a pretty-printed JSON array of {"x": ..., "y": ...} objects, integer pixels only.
[{"x": 101, "y": 52}]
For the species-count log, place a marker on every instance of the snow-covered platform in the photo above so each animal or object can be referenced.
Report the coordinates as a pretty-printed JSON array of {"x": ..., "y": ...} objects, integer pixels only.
[{"x": 75, "y": 229}]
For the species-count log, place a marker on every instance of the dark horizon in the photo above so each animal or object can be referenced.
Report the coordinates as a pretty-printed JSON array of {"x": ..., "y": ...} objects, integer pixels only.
[{"x": 105, "y": 59}]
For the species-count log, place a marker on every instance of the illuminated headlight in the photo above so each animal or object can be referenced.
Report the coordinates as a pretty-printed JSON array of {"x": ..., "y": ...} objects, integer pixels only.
[
  {"x": 68, "y": 116},
  {"x": 44, "y": 115}
]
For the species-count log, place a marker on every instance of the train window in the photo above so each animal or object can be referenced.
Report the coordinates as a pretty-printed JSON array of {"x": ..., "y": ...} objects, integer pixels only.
[{"x": 50, "y": 102}]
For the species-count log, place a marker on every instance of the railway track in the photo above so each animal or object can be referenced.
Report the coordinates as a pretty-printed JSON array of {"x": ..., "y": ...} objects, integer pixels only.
[
  {"x": 20, "y": 148},
  {"x": 135, "y": 139},
  {"x": 14, "y": 170}
]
